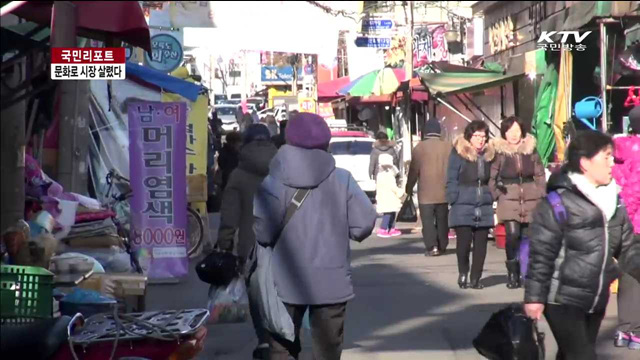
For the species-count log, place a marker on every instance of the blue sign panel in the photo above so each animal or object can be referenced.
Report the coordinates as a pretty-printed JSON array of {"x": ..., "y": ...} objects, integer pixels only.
[
  {"x": 373, "y": 42},
  {"x": 166, "y": 53},
  {"x": 285, "y": 73},
  {"x": 380, "y": 24}
]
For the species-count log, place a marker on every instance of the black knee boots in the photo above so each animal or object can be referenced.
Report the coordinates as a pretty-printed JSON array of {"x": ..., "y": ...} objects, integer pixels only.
[{"x": 513, "y": 269}]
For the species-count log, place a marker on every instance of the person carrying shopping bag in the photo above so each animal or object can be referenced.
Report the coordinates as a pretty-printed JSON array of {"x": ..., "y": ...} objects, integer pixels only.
[
  {"x": 581, "y": 236},
  {"x": 388, "y": 196}
]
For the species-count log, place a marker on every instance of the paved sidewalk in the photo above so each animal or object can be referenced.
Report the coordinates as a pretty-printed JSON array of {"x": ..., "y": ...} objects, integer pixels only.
[{"x": 407, "y": 306}]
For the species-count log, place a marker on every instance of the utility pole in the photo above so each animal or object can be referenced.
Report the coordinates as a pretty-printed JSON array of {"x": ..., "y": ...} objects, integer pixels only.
[
  {"x": 407, "y": 137},
  {"x": 294, "y": 65},
  {"x": 72, "y": 154}
]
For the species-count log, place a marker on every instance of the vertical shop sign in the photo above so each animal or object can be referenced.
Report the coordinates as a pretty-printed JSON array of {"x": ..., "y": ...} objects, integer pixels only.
[{"x": 157, "y": 138}]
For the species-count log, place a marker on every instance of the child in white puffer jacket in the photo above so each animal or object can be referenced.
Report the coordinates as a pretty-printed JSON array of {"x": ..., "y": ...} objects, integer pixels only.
[{"x": 388, "y": 196}]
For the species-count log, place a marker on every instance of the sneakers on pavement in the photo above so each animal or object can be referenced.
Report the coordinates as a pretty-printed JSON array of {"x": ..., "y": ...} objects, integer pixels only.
[
  {"x": 634, "y": 341},
  {"x": 622, "y": 339},
  {"x": 395, "y": 232},
  {"x": 383, "y": 233}
]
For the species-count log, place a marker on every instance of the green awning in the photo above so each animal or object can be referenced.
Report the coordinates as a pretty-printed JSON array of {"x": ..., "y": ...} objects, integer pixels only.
[{"x": 456, "y": 83}]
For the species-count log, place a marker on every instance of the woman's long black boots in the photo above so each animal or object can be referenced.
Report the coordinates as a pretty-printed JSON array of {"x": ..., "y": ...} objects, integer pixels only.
[{"x": 513, "y": 270}]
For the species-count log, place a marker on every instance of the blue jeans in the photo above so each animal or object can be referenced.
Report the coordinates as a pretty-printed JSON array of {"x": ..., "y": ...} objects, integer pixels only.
[{"x": 388, "y": 221}]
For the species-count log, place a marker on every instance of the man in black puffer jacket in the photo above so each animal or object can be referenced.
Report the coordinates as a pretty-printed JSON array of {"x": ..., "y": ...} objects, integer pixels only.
[{"x": 572, "y": 263}]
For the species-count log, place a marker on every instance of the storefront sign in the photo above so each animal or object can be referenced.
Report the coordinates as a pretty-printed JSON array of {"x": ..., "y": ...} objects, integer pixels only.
[
  {"x": 376, "y": 25},
  {"x": 157, "y": 143},
  {"x": 430, "y": 45},
  {"x": 166, "y": 53},
  {"x": 307, "y": 105},
  {"x": 326, "y": 111},
  {"x": 196, "y": 146},
  {"x": 373, "y": 42},
  {"x": 502, "y": 35},
  {"x": 274, "y": 73}
]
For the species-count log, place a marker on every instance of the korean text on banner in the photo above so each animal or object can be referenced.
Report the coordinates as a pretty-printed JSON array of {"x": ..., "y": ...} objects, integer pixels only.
[
  {"x": 88, "y": 64},
  {"x": 157, "y": 150},
  {"x": 196, "y": 146}
]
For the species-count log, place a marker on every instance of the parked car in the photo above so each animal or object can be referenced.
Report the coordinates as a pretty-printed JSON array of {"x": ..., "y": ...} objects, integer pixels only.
[
  {"x": 219, "y": 99},
  {"x": 279, "y": 112},
  {"x": 235, "y": 102},
  {"x": 227, "y": 114},
  {"x": 258, "y": 102},
  {"x": 351, "y": 150}
]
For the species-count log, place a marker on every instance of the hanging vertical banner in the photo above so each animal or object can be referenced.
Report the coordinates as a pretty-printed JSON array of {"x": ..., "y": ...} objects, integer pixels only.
[
  {"x": 157, "y": 150},
  {"x": 196, "y": 168}
]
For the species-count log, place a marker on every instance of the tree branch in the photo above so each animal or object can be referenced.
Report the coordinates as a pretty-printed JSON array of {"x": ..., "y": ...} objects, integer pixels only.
[{"x": 348, "y": 14}]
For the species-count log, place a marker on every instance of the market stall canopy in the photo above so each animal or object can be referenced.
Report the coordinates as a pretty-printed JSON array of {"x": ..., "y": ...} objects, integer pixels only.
[
  {"x": 377, "y": 82},
  {"x": 166, "y": 82},
  {"x": 456, "y": 83},
  {"x": 582, "y": 12},
  {"x": 95, "y": 19},
  {"x": 329, "y": 89}
]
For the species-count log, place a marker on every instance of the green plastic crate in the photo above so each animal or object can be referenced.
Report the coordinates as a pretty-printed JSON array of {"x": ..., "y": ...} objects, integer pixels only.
[{"x": 26, "y": 293}]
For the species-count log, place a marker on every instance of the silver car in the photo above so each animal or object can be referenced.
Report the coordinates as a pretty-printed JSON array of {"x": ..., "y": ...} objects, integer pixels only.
[{"x": 227, "y": 114}]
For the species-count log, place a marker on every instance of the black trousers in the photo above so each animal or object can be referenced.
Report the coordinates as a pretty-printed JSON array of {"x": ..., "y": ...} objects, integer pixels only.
[
  {"x": 435, "y": 225},
  {"x": 515, "y": 231},
  {"x": 575, "y": 331},
  {"x": 327, "y": 332},
  {"x": 465, "y": 236}
]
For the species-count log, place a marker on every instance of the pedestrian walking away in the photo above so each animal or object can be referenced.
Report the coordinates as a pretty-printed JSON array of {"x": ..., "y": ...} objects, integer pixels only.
[
  {"x": 578, "y": 234},
  {"x": 382, "y": 146},
  {"x": 468, "y": 193},
  {"x": 311, "y": 256},
  {"x": 236, "y": 213},
  {"x": 388, "y": 196},
  {"x": 229, "y": 157},
  {"x": 626, "y": 172},
  {"x": 517, "y": 183},
  {"x": 429, "y": 161}
]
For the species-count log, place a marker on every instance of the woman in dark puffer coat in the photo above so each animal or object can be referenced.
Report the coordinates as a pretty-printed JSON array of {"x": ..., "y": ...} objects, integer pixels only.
[
  {"x": 572, "y": 262},
  {"x": 471, "y": 202}
]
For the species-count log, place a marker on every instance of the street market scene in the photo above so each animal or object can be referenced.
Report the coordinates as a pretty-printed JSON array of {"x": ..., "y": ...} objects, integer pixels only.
[{"x": 320, "y": 180}]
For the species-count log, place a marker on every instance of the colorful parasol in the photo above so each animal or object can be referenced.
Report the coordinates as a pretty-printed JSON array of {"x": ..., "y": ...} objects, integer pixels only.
[{"x": 377, "y": 82}]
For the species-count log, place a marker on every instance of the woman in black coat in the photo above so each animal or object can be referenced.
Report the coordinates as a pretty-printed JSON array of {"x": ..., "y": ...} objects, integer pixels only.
[
  {"x": 471, "y": 202},
  {"x": 578, "y": 245}
]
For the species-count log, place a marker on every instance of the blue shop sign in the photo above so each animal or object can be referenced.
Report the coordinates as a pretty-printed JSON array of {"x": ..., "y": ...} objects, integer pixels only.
[
  {"x": 166, "y": 53},
  {"x": 285, "y": 73},
  {"x": 378, "y": 24},
  {"x": 373, "y": 42}
]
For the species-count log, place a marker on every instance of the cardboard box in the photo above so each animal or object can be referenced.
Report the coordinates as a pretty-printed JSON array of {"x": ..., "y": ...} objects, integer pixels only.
[{"x": 117, "y": 285}]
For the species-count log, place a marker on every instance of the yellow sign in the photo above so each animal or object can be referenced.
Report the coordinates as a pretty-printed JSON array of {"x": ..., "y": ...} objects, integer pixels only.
[
  {"x": 275, "y": 93},
  {"x": 306, "y": 104},
  {"x": 502, "y": 35},
  {"x": 197, "y": 132}
]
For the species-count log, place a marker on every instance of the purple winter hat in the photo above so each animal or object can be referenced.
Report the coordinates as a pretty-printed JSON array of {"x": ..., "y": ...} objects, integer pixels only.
[{"x": 308, "y": 131}]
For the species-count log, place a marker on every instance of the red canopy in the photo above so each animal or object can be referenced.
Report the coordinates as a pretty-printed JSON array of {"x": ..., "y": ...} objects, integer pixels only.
[
  {"x": 121, "y": 19},
  {"x": 329, "y": 89}
]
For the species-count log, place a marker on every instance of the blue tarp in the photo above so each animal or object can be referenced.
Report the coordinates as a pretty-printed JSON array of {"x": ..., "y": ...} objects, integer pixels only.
[{"x": 164, "y": 81}]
